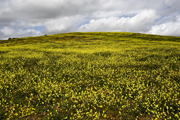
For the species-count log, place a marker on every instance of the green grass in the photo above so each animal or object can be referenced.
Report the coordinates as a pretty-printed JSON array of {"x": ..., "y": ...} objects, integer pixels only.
[{"x": 93, "y": 75}]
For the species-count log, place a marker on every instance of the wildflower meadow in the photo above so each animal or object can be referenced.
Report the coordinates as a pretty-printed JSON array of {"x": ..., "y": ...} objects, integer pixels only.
[{"x": 90, "y": 76}]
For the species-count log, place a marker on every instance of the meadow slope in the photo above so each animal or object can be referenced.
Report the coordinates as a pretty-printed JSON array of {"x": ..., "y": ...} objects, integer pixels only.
[{"x": 90, "y": 75}]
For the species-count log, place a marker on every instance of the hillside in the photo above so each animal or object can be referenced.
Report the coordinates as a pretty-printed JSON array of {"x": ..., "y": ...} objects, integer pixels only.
[{"x": 93, "y": 75}]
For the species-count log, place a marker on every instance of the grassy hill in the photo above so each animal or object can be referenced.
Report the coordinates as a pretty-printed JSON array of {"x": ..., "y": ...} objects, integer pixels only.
[{"x": 90, "y": 75}]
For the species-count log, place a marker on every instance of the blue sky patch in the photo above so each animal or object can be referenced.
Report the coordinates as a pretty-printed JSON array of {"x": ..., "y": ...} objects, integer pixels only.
[{"x": 38, "y": 28}]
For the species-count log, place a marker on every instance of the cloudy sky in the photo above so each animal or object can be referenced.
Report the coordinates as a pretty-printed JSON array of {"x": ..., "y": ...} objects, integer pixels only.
[{"x": 23, "y": 18}]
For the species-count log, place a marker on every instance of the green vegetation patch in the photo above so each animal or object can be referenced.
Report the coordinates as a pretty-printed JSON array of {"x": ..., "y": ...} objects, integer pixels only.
[{"x": 92, "y": 75}]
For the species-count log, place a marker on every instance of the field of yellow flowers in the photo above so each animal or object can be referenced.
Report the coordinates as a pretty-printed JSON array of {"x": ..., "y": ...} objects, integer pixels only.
[{"x": 90, "y": 76}]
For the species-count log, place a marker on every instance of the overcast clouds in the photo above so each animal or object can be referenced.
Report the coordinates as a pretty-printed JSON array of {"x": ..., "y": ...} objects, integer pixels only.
[{"x": 23, "y": 18}]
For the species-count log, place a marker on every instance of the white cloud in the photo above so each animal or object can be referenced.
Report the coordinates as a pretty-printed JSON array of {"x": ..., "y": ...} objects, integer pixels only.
[
  {"x": 91, "y": 15},
  {"x": 29, "y": 32},
  {"x": 169, "y": 28},
  {"x": 1, "y": 33},
  {"x": 8, "y": 32},
  {"x": 60, "y": 25},
  {"x": 168, "y": 25},
  {"x": 26, "y": 24},
  {"x": 140, "y": 22}
]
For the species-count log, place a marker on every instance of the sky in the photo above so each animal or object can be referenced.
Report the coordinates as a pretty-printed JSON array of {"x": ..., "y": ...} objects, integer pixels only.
[{"x": 24, "y": 18}]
